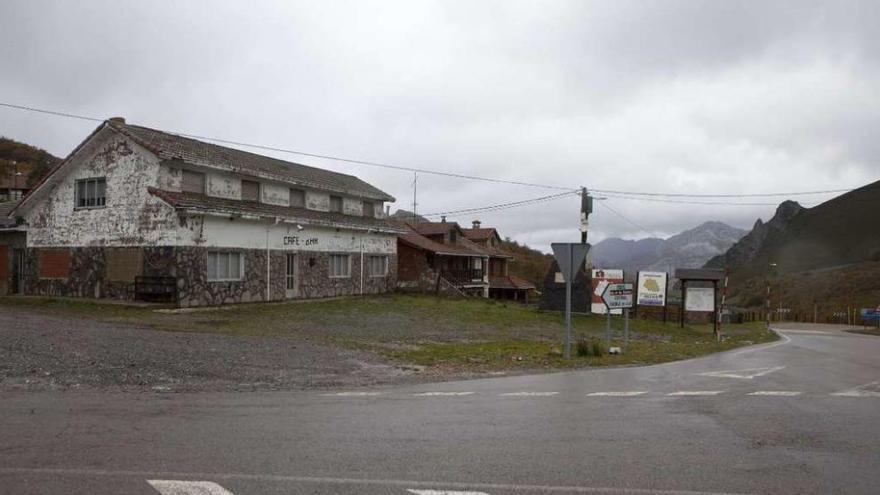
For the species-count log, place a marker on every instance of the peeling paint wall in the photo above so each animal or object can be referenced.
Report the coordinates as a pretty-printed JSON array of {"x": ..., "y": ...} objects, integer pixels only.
[
  {"x": 223, "y": 185},
  {"x": 351, "y": 206},
  {"x": 131, "y": 216},
  {"x": 276, "y": 194},
  {"x": 316, "y": 200}
]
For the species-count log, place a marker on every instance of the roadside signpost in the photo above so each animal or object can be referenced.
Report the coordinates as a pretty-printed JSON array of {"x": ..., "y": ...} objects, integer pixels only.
[
  {"x": 569, "y": 257},
  {"x": 869, "y": 314},
  {"x": 618, "y": 296}
]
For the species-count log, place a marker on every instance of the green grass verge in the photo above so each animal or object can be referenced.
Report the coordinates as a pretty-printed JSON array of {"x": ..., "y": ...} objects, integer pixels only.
[{"x": 453, "y": 334}]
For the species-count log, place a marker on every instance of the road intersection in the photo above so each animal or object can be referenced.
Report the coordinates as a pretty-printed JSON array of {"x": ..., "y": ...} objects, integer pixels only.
[{"x": 795, "y": 416}]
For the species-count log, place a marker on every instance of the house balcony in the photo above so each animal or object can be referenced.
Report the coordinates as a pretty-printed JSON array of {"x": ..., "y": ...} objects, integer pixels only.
[{"x": 464, "y": 276}]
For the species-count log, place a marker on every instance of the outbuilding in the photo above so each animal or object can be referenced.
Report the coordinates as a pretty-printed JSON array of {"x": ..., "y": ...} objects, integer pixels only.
[{"x": 138, "y": 213}]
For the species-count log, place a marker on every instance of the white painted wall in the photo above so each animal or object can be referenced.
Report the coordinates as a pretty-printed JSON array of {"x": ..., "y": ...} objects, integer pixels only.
[
  {"x": 131, "y": 216},
  {"x": 251, "y": 234},
  {"x": 275, "y": 194},
  {"x": 222, "y": 185},
  {"x": 317, "y": 200}
]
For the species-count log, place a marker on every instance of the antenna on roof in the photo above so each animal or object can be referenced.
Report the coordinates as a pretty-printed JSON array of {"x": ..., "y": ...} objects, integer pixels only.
[{"x": 415, "y": 184}]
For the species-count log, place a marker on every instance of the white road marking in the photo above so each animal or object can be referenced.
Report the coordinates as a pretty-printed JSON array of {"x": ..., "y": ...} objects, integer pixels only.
[
  {"x": 443, "y": 394},
  {"x": 632, "y": 393},
  {"x": 745, "y": 374},
  {"x": 352, "y": 394},
  {"x": 860, "y": 391},
  {"x": 785, "y": 340},
  {"x": 177, "y": 487},
  {"x": 812, "y": 332},
  {"x": 688, "y": 393},
  {"x": 444, "y": 492},
  {"x": 403, "y": 484},
  {"x": 529, "y": 394},
  {"x": 776, "y": 393}
]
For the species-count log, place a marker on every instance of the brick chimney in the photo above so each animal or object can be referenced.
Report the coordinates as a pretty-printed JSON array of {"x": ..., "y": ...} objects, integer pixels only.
[
  {"x": 476, "y": 224},
  {"x": 117, "y": 120}
]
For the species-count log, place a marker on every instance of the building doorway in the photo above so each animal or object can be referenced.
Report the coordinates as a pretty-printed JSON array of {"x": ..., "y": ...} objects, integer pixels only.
[
  {"x": 17, "y": 271},
  {"x": 292, "y": 278}
]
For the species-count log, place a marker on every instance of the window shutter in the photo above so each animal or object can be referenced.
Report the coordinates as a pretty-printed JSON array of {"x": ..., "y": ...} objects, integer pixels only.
[
  {"x": 250, "y": 190},
  {"x": 193, "y": 182}
]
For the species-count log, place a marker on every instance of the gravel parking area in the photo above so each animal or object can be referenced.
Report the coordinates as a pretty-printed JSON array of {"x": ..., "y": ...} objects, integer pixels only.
[{"x": 41, "y": 351}]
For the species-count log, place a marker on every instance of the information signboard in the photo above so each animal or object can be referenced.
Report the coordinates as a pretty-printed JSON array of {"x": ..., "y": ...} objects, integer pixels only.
[
  {"x": 700, "y": 299},
  {"x": 618, "y": 296},
  {"x": 652, "y": 289}
]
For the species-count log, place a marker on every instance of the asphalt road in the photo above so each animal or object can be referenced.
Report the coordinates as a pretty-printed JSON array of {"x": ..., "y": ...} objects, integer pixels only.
[{"x": 796, "y": 416}]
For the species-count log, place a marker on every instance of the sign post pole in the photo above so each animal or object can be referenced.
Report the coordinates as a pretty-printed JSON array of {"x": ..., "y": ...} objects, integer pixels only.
[
  {"x": 567, "y": 352},
  {"x": 625, "y": 328},
  {"x": 617, "y": 296},
  {"x": 569, "y": 257},
  {"x": 608, "y": 327}
]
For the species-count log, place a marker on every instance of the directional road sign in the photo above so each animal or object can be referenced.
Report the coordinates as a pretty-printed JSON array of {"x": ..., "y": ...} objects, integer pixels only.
[{"x": 618, "y": 296}]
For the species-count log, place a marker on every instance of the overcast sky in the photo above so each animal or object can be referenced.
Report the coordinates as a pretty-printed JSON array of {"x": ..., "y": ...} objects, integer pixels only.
[{"x": 680, "y": 97}]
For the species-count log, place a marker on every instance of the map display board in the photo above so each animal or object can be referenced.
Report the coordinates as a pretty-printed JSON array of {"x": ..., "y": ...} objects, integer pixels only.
[{"x": 651, "y": 289}]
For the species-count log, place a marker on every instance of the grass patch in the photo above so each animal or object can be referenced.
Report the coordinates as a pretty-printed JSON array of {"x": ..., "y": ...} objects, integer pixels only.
[{"x": 447, "y": 334}]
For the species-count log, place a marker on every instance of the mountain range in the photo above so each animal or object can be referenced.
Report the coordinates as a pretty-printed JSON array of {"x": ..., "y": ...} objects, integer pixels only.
[{"x": 689, "y": 249}]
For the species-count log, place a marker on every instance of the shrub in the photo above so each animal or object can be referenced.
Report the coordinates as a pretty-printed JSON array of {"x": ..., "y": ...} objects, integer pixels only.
[
  {"x": 583, "y": 347},
  {"x": 599, "y": 348}
]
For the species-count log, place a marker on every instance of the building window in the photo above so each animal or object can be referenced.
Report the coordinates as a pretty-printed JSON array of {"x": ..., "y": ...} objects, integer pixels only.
[
  {"x": 336, "y": 204},
  {"x": 193, "y": 182},
  {"x": 297, "y": 198},
  {"x": 340, "y": 266},
  {"x": 15, "y": 195},
  {"x": 90, "y": 193},
  {"x": 377, "y": 266},
  {"x": 224, "y": 266},
  {"x": 250, "y": 190},
  {"x": 369, "y": 209}
]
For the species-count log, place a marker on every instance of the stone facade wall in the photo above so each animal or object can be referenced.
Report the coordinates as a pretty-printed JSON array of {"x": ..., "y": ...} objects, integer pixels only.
[{"x": 88, "y": 275}]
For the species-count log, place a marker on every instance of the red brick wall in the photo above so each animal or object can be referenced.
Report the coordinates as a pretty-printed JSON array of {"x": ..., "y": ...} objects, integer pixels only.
[
  {"x": 54, "y": 263},
  {"x": 410, "y": 262}
]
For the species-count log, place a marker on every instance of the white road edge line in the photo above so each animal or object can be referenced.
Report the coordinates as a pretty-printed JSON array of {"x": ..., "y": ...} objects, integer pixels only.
[
  {"x": 631, "y": 393},
  {"x": 177, "y": 487},
  {"x": 785, "y": 340},
  {"x": 405, "y": 484},
  {"x": 352, "y": 394},
  {"x": 528, "y": 394},
  {"x": 444, "y": 492},
  {"x": 443, "y": 394},
  {"x": 689, "y": 393},
  {"x": 811, "y": 332},
  {"x": 859, "y": 391},
  {"x": 776, "y": 393}
]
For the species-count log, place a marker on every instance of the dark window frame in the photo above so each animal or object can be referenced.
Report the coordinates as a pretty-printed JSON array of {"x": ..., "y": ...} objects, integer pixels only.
[{"x": 90, "y": 193}]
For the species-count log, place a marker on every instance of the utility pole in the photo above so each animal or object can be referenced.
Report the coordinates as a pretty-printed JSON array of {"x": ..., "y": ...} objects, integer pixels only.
[
  {"x": 586, "y": 209},
  {"x": 772, "y": 265}
]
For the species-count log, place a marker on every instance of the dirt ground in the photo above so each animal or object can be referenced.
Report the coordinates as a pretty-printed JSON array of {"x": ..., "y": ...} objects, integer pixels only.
[{"x": 43, "y": 351}]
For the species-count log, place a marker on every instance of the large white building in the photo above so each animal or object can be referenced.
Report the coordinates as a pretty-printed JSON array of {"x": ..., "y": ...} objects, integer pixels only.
[{"x": 134, "y": 212}]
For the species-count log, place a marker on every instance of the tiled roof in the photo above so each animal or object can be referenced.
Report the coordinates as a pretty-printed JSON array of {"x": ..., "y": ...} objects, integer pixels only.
[
  {"x": 509, "y": 282},
  {"x": 431, "y": 228},
  {"x": 479, "y": 234},
  {"x": 210, "y": 204},
  {"x": 463, "y": 247},
  {"x": 174, "y": 147}
]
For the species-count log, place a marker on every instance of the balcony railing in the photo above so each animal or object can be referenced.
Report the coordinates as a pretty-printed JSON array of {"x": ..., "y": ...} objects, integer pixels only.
[{"x": 463, "y": 276}]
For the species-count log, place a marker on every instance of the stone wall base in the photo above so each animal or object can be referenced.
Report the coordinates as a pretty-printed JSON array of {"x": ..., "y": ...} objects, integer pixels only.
[{"x": 88, "y": 276}]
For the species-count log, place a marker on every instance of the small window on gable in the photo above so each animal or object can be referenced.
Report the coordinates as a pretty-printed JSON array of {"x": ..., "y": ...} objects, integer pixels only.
[
  {"x": 250, "y": 190},
  {"x": 193, "y": 182},
  {"x": 336, "y": 204},
  {"x": 369, "y": 209},
  {"x": 298, "y": 198},
  {"x": 91, "y": 193}
]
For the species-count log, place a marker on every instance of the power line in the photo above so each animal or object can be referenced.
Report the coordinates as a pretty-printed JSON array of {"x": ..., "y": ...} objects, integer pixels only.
[
  {"x": 312, "y": 155},
  {"x": 627, "y": 219},
  {"x": 504, "y": 206},
  {"x": 451, "y": 174}
]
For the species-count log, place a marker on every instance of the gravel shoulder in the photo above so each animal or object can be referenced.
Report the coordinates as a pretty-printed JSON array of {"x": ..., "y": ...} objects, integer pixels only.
[{"x": 39, "y": 351}]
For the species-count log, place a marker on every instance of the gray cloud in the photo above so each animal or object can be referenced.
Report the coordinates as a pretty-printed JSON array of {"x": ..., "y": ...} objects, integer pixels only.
[{"x": 712, "y": 97}]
